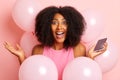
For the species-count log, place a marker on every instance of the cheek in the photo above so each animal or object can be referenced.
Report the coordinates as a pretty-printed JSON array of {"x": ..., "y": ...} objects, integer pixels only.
[
  {"x": 65, "y": 28},
  {"x": 53, "y": 28}
]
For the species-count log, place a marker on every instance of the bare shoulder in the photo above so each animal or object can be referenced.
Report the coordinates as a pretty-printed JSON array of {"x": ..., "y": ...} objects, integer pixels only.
[
  {"x": 79, "y": 50},
  {"x": 38, "y": 49}
]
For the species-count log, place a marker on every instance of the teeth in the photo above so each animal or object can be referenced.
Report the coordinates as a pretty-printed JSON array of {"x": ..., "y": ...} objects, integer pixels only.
[{"x": 59, "y": 32}]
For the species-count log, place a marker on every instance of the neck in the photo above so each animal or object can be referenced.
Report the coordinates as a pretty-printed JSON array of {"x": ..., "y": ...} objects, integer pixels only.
[{"x": 57, "y": 46}]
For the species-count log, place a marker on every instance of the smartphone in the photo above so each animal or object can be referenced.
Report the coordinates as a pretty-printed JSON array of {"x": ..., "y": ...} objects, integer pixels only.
[{"x": 100, "y": 44}]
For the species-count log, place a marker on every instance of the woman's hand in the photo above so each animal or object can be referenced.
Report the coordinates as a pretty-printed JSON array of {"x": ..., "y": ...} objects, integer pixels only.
[
  {"x": 92, "y": 54},
  {"x": 18, "y": 51}
]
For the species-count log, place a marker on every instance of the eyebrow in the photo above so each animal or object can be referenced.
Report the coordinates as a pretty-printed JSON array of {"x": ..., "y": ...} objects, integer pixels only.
[{"x": 57, "y": 19}]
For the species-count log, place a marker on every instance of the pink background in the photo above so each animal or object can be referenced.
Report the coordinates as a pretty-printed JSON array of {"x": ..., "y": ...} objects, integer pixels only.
[{"x": 9, "y": 31}]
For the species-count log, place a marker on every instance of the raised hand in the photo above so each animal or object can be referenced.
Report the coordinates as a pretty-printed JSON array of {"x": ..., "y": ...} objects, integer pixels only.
[
  {"x": 18, "y": 51},
  {"x": 92, "y": 54}
]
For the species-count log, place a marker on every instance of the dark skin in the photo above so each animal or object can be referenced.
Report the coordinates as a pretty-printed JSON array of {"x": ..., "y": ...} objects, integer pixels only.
[
  {"x": 79, "y": 51},
  {"x": 59, "y": 29}
]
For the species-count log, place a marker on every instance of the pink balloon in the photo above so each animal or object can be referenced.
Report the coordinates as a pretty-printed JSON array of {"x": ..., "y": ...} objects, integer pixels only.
[
  {"x": 108, "y": 59},
  {"x": 82, "y": 68},
  {"x": 27, "y": 42},
  {"x": 94, "y": 26},
  {"x": 38, "y": 67},
  {"x": 24, "y": 13}
]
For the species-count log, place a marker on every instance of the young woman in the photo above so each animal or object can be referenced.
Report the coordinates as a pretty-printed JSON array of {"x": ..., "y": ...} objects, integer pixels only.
[{"x": 59, "y": 30}]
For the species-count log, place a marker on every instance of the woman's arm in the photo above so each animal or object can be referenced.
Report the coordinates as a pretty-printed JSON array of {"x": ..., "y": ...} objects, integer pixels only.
[
  {"x": 18, "y": 51},
  {"x": 38, "y": 49},
  {"x": 80, "y": 50}
]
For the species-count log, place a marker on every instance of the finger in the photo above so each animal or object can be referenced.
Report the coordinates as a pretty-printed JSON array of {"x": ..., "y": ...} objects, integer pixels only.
[
  {"x": 8, "y": 46},
  {"x": 5, "y": 43},
  {"x": 103, "y": 50},
  {"x": 92, "y": 48},
  {"x": 18, "y": 46},
  {"x": 98, "y": 54},
  {"x": 104, "y": 47},
  {"x": 106, "y": 43}
]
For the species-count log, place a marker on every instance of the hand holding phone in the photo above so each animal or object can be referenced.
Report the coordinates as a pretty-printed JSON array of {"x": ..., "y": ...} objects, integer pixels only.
[{"x": 100, "y": 44}]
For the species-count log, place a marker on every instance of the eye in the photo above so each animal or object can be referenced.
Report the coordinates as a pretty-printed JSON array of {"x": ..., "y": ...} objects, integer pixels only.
[
  {"x": 54, "y": 22},
  {"x": 64, "y": 22}
]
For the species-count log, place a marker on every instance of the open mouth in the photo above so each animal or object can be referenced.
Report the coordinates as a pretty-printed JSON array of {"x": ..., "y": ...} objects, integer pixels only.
[{"x": 60, "y": 34}]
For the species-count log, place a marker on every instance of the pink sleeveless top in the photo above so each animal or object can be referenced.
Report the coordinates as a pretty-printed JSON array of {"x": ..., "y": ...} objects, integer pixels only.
[{"x": 59, "y": 57}]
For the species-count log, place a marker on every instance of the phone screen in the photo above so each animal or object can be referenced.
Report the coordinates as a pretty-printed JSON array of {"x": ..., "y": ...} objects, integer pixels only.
[{"x": 100, "y": 44}]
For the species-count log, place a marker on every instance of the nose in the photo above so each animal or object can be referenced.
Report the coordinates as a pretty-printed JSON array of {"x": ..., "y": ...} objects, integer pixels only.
[{"x": 59, "y": 26}]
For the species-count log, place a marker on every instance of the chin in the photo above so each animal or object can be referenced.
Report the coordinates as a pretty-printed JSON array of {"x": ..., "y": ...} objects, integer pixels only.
[{"x": 60, "y": 41}]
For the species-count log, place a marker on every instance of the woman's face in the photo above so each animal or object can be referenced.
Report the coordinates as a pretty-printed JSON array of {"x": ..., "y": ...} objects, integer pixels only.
[{"x": 59, "y": 28}]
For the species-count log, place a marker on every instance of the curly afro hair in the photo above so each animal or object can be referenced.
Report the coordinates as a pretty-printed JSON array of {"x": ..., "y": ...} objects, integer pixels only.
[{"x": 75, "y": 22}]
